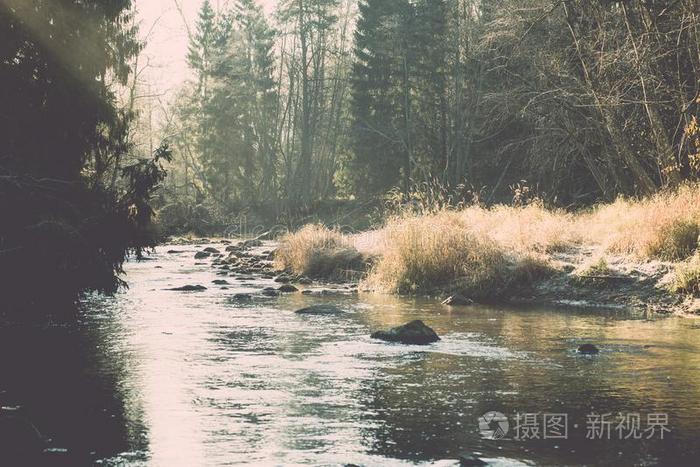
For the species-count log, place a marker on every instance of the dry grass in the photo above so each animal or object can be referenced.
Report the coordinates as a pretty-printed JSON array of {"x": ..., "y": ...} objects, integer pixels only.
[
  {"x": 526, "y": 229},
  {"x": 482, "y": 250},
  {"x": 420, "y": 253},
  {"x": 686, "y": 277},
  {"x": 317, "y": 251},
  {"x": 664, "y": 226}
]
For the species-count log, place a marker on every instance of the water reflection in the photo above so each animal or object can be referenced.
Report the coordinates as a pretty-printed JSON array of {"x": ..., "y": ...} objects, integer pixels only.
[
  {"x": 173, "y": 378},
  {"x": 66, "y": 383}
]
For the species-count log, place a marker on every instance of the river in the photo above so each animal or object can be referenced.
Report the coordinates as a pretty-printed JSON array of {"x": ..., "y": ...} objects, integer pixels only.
[{"x": 158, "y": 377}]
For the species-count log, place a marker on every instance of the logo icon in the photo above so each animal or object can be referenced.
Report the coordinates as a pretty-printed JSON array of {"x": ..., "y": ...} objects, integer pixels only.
[{"x": 493, "y": 425}]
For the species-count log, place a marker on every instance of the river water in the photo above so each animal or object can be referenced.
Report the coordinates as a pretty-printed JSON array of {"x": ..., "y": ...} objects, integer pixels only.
[{"x": 165, "y": 378}]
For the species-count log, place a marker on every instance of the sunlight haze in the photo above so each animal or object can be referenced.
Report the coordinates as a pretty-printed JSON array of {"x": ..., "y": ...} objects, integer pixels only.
[{"x": 165, "y": 34}]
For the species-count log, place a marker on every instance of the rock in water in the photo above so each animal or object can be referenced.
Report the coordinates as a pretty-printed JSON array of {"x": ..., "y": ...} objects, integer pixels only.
[
  {"x": 189, "y": 288},
  {"x": 242, "y": 297},
  {"x": 202, "y": 254},
  {"x": 287, "y": 288},
  {"x": 251, "y": 243},
  {"x": 320, "y": 310},
  {"x": 210, "y": 249},
  {"x": 470, "y": 460},
  {"x": 220, "y": 282},
  {"x": 457, "y": 300},
  {"x": 415, "y": 332},
  {"x": 587, "y": 349}
]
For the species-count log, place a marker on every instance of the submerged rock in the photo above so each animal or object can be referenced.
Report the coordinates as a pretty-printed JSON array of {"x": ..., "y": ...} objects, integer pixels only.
[
  {"x": 251, "y": 243},
  {"x": 415, "y": 332},
  {"x": 242, "y": 297},
  {"x": 457, "y": 300},
  {"x": 320, "y": 310},
  {"x": 220, "y": 282},
  {"x": 470, "y": 460},
  {"x": 287, "y": 288},
  {"x": 270, "y": 293},
  {"x": 189, "y": 288},
  {"x": 587, "y": 349},
  {"x": 202, "y": 254},
  {"x": 283, "y": 278}
]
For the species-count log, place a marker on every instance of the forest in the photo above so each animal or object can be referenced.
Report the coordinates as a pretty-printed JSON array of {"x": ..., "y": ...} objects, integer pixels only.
[
  {"x": 434, "y": 102},
  {"x": 353, "y": 232},
  {"x": 575, "y": 102}
]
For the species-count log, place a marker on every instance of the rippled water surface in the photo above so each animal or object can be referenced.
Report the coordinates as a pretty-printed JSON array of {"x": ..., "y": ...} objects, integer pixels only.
[{"x": 159, "y": 377}]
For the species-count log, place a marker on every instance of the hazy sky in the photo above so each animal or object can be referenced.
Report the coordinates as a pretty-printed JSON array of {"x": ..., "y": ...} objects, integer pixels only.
[{"x": 163, "y": 29}]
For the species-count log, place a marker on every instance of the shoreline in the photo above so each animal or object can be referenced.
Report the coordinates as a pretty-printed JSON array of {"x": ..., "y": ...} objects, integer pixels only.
[{"x": 638, "y": 286}]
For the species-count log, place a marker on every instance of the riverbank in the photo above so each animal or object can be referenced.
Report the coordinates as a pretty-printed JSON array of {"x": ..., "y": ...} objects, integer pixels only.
[{"x": 640, "y": 254}]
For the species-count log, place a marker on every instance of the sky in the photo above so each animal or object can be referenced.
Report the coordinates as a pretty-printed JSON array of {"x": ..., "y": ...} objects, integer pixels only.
[{"x": 163, "y": 29}]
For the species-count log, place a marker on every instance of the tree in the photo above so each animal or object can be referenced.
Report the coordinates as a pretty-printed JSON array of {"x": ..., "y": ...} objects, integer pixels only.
[{"x": 61, "y": 226}]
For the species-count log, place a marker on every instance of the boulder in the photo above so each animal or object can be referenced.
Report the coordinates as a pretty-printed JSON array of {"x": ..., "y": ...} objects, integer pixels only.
[
  {"x": 304, "y": 281},
  {"x": 211, "y": 249},
  {"x": 270, "y": 293},
  {"x": 320, "y": 310},
  {"x": 189, "y": 288},
  {"x": 283, "y": 278},
  {"x": 287, "y": 288},
  {"x": 202, "y": 254},
  {"x": 220, "y": 282},
  {"x": 457, "y": 300},
  {"x": 415, "y": 332},
  {"x": 587, "y": 349}
]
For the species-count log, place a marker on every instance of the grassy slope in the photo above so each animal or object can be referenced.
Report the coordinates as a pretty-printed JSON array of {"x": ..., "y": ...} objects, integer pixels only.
[{"x": 629, "y": 253}]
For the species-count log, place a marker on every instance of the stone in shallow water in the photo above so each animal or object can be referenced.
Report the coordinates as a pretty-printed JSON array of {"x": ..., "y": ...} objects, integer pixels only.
[
  {"x": 415, "y": 332},
  {"x": 287, "y": 288},
  {"x": 220, "y": 282},
  {"x": 320, "y": 310},
  {"x": 457, "y": 300},
  {"x": 189, "y": 288},
  {"x": 270, "y": 293},
  {"x": 470, "y": 460},
  {"x": 242, "y": 297},
  {"x": 211, "y": 250},
  {"x": 587, "y": 349},
  {"x": 201, "y": 254}
]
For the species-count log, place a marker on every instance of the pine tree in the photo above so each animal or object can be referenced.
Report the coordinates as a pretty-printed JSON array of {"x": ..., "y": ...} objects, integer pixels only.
[
  {"x": 377, "y": 149},
  {"x": 201, "y": 53}
]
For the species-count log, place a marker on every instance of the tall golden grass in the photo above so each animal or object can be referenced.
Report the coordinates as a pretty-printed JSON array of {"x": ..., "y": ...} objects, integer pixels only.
[
  {"x": 421, "y": 253},
  {"x": 665, "y": 226},
  {"x": 317, "y": 251},
  {"x": 480, "y": 250}
]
